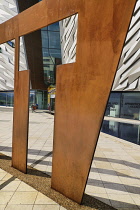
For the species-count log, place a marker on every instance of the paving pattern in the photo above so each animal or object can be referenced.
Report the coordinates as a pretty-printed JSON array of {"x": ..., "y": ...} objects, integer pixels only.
[
  {"x": 17, "y": 195},
  {"x": 115, "y": 173}
]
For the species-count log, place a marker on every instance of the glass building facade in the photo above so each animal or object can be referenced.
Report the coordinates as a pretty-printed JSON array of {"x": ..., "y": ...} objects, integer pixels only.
[
  {"x": 6, "y": 98},
  {"x": 51, "y": 50},
  {"x": 36, "y": 97},
  {"x": 51, "y": 57},
  {"x": 124, "y": 105}
]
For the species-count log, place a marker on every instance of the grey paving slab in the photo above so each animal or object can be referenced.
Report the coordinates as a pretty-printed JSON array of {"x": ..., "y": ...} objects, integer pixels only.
[{"x": 17, "y": 195}]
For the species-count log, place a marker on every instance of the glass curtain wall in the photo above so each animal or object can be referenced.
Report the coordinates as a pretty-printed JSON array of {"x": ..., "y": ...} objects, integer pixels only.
[
  {"x": 120, "y": 105},
  {"x": 130, "y": 106},
  {"x": 41, "y": 99},
  {"x": 7, "y": 98},
  {"x": 51, "y": 49},
  {"x": 124, "y": 105},
  {"x": 113, "y": 106}
]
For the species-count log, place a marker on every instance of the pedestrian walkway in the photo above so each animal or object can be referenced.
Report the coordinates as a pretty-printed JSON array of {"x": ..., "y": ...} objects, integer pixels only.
[
  {"x": 17, "y": 195},
  {"x": 115, "y": 172}
]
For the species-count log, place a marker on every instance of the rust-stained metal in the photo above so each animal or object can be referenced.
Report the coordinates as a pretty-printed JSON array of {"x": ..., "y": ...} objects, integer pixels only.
[
  {"x": 36, "y": 17},
  {"x": 83, "y": 87},
  {"x": 20, "y": 115}
]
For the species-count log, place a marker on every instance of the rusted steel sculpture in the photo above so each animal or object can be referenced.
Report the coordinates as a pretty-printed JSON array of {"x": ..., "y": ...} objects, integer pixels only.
[
  {"x": 83, "y": 87},
  {"x": 20, "y": 115}
]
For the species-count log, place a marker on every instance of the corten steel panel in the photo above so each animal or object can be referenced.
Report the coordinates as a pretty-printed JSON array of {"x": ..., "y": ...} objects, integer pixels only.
[
  {"x": 82, "y": 88},
  {"x": 36, "y": 17},
  {"x": 20, "y": 115}
]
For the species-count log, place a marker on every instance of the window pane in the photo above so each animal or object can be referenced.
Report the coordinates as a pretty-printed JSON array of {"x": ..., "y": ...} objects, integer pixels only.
[
  {"x": 54, "y": 40},
  {"x": 2, "y": 99},
  {"x": 130, "y": 107},
  {"x": 113, "y": 106},
  {"x": 54, "y": 27}
]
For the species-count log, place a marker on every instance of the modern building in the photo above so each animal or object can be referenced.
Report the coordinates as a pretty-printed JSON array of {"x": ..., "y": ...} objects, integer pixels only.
[{"x": 42, "y": 50}]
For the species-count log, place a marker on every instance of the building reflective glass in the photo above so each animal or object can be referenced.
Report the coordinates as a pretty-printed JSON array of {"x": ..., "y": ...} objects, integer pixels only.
[
  {"x": 2, "y": 99},
  {"x": 124, "y": 105},
  {"x": 130, "y": 106},
  {"x": 113, "y": 105},
  {"x": 51, "y": 50}
]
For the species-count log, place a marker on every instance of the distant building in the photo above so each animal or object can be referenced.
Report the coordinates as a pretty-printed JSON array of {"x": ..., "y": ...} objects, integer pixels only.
[{"x": 40, "y": 52}]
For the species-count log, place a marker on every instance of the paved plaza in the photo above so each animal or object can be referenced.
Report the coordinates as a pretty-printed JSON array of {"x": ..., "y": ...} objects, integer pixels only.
[
  {"x": 114, "y": 176},
  {"x": 17, "y": 195}
]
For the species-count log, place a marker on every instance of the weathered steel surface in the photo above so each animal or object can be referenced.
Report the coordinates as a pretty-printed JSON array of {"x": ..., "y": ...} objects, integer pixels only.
[
  {"x": 82, "y": 88},
  {"x": 36, "y": 17},
  {"x": 20, "y": 121},
  {"x": 20, "y": 115}
]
